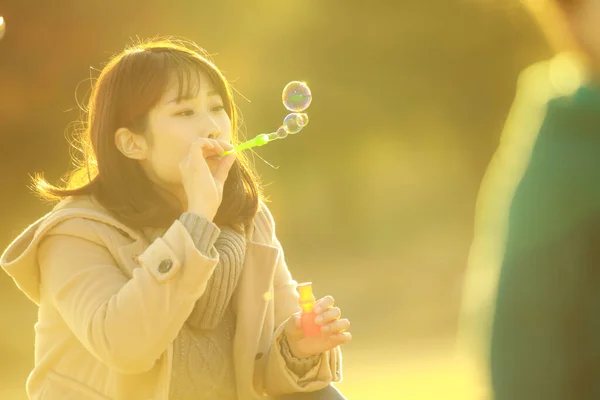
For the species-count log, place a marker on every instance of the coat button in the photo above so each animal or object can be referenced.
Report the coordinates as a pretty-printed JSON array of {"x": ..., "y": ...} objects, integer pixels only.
[
  {"x": 258, "y": 356},
  {"x": 165, "y": 266}
]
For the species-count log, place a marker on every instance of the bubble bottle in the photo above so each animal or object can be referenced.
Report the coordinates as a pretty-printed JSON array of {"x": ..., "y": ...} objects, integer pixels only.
[{"x": 307, "y": 303}]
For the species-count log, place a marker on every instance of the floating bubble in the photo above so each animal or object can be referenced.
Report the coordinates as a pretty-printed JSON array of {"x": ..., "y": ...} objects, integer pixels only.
[
  {"x": 281, "y": 132},
  {"x": 291, "y": 123},
  {"x": 2, "y": 27},
  {"x": 296, "y": 96},
  {"x": 303, "y": 119}
]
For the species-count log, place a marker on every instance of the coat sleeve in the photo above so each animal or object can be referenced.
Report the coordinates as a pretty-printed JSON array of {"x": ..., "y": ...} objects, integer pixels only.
[
  {"x": 126, "y": 323},
  {"x": 279, "y": 379}
]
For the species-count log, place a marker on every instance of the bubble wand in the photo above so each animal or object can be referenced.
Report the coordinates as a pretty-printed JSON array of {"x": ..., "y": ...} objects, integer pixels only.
[{"x": 296, "y": 97}]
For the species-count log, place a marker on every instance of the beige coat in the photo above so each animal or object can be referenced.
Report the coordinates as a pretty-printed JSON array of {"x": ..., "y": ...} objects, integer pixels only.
[{"x": 111, "y": 304}]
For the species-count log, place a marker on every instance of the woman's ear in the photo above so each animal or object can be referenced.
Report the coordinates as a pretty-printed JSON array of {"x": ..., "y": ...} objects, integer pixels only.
[{"x": 132, "y": 145}]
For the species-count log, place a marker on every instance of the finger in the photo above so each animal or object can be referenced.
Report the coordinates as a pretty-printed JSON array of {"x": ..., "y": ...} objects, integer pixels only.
[
  {"x": 323, "y": 304},
  {"x": 224, "y": 167},
  {"x": 184, "y": 162},
  {"x": 225, "y": 145},
  {"x": 293, "y": 328},
  {"x": 341, "y": 338},
  {"x": 217, "y": 146},
  {"x": 294, "y": 321},
  {"x": 204, "y": 143},
  {"x": 201, "y": 148},
  {"x": 331, "y": 314},
  {"x": 196, "y": 158},
  {"x": 336, "y": 326}
]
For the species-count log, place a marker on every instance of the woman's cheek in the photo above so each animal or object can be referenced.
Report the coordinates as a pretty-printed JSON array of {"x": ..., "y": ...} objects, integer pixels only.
[{"x": 167, "y": 166}]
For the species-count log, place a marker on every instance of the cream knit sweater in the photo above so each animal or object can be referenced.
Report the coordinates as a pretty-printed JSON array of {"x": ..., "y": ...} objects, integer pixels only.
[{"x": 202, "y": 362}]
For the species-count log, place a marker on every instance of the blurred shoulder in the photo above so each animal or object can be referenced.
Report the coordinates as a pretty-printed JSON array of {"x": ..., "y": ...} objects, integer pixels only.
[{"x": 560, "y": 189}]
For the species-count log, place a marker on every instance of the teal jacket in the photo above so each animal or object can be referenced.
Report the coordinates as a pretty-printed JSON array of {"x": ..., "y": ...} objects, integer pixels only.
[{"x": 545, "y": 337}]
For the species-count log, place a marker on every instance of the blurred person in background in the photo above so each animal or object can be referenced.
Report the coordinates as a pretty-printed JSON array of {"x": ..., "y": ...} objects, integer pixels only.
[
  {"x": 158, "y": 274},
  {"x": 531, "y": 308}
]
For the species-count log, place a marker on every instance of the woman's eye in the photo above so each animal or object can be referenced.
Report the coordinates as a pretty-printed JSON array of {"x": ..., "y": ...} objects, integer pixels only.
[
  {"x": 218, "y": 108},
  {"x": 186, "y": 113}
]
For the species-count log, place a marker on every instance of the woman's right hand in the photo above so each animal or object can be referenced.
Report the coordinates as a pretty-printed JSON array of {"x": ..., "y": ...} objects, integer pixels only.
[{"x": 203, "y": 188}]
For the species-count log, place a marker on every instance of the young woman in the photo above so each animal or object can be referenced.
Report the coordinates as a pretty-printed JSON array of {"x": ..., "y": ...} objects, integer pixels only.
[
  {"x": 538, "y": 227},
  {"x": 158, "y": 275}
]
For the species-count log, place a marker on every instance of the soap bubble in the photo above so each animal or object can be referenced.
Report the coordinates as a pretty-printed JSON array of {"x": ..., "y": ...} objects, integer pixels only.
[
  {"x": 281, "y": 132},
  {"x": 291, "y": 123},
  {"x": 303, "y": 119},
  {"x": 2, "y": 27},
  {"x": 296, "y": 96}
]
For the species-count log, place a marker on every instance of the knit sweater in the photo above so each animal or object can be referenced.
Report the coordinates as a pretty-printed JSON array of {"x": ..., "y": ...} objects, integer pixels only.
[{"x": 203, "y": 350}]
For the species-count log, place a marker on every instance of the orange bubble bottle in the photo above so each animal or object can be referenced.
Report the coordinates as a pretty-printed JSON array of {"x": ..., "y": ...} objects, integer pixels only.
[{"x": 307, "y": 303}]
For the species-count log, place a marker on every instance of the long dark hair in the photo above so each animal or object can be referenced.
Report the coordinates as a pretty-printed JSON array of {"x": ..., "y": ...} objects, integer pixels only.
[{"x": 128, "y": 87}]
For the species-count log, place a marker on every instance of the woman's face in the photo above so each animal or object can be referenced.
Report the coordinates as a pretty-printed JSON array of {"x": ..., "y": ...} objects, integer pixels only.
[{"x": 173, "y": 126}]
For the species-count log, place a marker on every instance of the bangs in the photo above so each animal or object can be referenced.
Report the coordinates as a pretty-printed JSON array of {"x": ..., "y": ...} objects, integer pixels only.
[
  {"x": 152, "y": 71},
  {"x": 185, "y": 73}
]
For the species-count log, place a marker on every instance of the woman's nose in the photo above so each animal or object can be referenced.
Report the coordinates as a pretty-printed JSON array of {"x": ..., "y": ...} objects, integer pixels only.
[
  {"x": 214, "y": 135},
  {"x": 213, "y": 129}
]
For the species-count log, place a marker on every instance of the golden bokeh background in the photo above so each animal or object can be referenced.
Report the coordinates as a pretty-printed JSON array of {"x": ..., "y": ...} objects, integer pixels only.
[{"x": 374, "y": 200}]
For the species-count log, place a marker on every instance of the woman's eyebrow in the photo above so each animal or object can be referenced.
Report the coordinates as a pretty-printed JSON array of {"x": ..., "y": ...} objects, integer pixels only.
[
  {"x": 179, "y": 99},
  {"x": 185, "y": 98}
]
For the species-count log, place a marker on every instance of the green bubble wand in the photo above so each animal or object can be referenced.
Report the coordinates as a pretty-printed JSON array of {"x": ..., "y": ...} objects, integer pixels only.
[{"x": 296, "y": 97}]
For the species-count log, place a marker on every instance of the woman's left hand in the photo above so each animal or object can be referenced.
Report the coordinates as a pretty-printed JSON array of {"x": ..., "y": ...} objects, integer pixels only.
[{"x": 333, "y": 330}]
